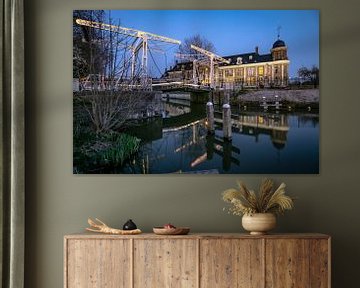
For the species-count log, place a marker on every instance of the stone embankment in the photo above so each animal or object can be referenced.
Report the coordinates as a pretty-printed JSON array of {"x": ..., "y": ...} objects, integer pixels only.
[
  {"x": 292, "y": 96},
  {"x": 289, "y": 99}
]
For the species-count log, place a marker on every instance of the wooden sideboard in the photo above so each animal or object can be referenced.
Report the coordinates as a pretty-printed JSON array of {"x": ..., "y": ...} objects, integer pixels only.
[{"x": 197, "y": 261}]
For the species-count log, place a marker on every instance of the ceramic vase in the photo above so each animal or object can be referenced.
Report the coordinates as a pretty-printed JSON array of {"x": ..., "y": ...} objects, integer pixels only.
[{"x": 259, "y": 223}]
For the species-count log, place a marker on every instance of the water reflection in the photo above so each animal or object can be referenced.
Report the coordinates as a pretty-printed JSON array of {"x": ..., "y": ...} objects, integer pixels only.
[
  {"x": 268, "y": 142},
  {"x": 224, "y": 149},
  {"x": 257, "y": 123}
]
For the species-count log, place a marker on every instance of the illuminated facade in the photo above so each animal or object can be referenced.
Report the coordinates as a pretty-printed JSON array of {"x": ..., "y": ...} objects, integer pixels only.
[{"x": 244, "y": 70}]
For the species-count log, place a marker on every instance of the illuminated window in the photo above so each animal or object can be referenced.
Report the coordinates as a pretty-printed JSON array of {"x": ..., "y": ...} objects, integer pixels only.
[
  {"x": 250, "y": 71},
  {"x": 250, "y": 57},
  {"x": 228, "y": 73},
  {"x": 239, "y": 61},
  {"x": 261, "y": 70}
]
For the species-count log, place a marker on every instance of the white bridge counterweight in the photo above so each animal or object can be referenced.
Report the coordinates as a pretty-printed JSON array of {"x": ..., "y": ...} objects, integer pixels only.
[
  {"x": 126, "y": 31},
  {"x": 213, "y": 58},
  {"x": 210, "y": 54}
]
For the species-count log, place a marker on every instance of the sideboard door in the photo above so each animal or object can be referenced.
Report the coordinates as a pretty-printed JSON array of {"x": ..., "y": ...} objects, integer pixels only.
[
  {"x": 297, "y": 263},
  {"x": 231, "y": 263},
  {"x": 165, "y": 263},
  {"x": 100, "y": 263},
  {"x": 320, "y": 263},
  {"x": 287, "y": 263}
]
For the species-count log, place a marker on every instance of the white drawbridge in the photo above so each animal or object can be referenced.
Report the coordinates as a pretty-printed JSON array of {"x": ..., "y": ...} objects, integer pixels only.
[{"x": 140, "y": 43}]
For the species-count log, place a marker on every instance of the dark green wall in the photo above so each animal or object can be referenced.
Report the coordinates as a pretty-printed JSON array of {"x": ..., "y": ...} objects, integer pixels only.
[{"x": 59, "y": 202}]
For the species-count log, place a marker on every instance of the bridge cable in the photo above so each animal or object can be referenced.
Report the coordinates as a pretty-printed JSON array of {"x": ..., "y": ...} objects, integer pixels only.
[{"x": 155, "y": 62}]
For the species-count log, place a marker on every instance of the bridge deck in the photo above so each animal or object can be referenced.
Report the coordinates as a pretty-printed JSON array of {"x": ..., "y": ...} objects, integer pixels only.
[{"x": 180, "y": 86}]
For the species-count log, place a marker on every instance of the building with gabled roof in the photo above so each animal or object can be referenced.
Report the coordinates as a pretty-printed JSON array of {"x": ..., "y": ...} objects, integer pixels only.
[{"x": 243, "y": 70}]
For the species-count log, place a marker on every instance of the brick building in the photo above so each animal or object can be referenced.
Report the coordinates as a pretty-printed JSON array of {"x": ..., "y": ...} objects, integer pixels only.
[{"x": 244, "y": 70}]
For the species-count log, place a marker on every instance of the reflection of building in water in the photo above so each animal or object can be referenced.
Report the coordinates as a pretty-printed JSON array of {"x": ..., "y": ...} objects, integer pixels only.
[
  {"x": 274, "y": 125},
  {"x": 271, "y": 124}
]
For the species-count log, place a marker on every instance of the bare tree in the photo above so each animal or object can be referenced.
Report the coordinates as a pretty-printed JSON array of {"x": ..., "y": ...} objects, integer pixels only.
[
  {"x": 197, "y": 40},
  {"x": 311, "y": 75},
  {"x": 110, "y": 110},
  {"x": 87, "y": 52},
  {"x": 109, "y": 93}
]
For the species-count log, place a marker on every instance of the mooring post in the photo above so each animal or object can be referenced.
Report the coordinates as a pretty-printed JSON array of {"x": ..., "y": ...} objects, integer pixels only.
[
  {"x": 211, "y": 96},
  {"x": 227, "y": 97},
  {"x": 277, "y": 103},
  {"x": 227, "y": 118},
  {"x": 265, "y": 103},
  {"x": 210, "y": 117}
]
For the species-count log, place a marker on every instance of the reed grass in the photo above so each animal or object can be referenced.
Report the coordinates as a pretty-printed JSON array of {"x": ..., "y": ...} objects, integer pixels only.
[{"x": 267, "y": 200}]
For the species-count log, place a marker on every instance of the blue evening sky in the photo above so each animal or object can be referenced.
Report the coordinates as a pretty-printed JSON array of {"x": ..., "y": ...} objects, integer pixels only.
[{"x": 232, "y": 31}]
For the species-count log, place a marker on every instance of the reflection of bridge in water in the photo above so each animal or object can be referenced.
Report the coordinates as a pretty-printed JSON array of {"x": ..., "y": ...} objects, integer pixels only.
[
  {"x": 182, "y": 134},
  {"x": 209, "y": 145},
  {"x": 246, "y": 123},
  {"x": 188, "y": 114},
  {"x": 253, "y": 125}
]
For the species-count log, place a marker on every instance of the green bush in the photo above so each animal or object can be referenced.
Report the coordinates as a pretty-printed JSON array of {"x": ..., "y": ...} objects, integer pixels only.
[{"x": 94, "y": 152}]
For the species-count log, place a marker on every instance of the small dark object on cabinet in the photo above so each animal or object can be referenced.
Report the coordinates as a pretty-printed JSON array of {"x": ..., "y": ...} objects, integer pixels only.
[{"x": 129, "y": 225}]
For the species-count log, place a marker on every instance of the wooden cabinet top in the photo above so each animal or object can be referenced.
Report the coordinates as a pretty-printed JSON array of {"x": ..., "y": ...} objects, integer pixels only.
[{"x": 199, "y": 236}]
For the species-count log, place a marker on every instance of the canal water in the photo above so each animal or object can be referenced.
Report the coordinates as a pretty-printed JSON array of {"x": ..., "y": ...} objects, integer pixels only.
[{"x": 262, "y": 142}]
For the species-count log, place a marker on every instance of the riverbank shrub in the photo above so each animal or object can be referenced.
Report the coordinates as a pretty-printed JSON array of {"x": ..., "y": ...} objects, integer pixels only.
[
  {"x": 110, "y": 110},
  {"x": 94, "y": 152}
]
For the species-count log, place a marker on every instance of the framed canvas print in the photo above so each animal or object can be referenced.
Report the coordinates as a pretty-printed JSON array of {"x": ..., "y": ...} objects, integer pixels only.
[{"x": 195, "y": 91}]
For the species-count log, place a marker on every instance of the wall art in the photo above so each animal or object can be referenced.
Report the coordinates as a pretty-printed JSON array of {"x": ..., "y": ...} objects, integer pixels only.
[{"x": 195, "y": 91}]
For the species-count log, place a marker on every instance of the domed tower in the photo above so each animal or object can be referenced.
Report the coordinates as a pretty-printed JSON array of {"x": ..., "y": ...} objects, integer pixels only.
[
  {"x": 280, "y": 63},
  {"x": 279, "y": 50}
]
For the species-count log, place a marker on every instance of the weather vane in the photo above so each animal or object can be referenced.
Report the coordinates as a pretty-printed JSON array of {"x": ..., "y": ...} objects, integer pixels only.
[{"x": 278, "y": 31}]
